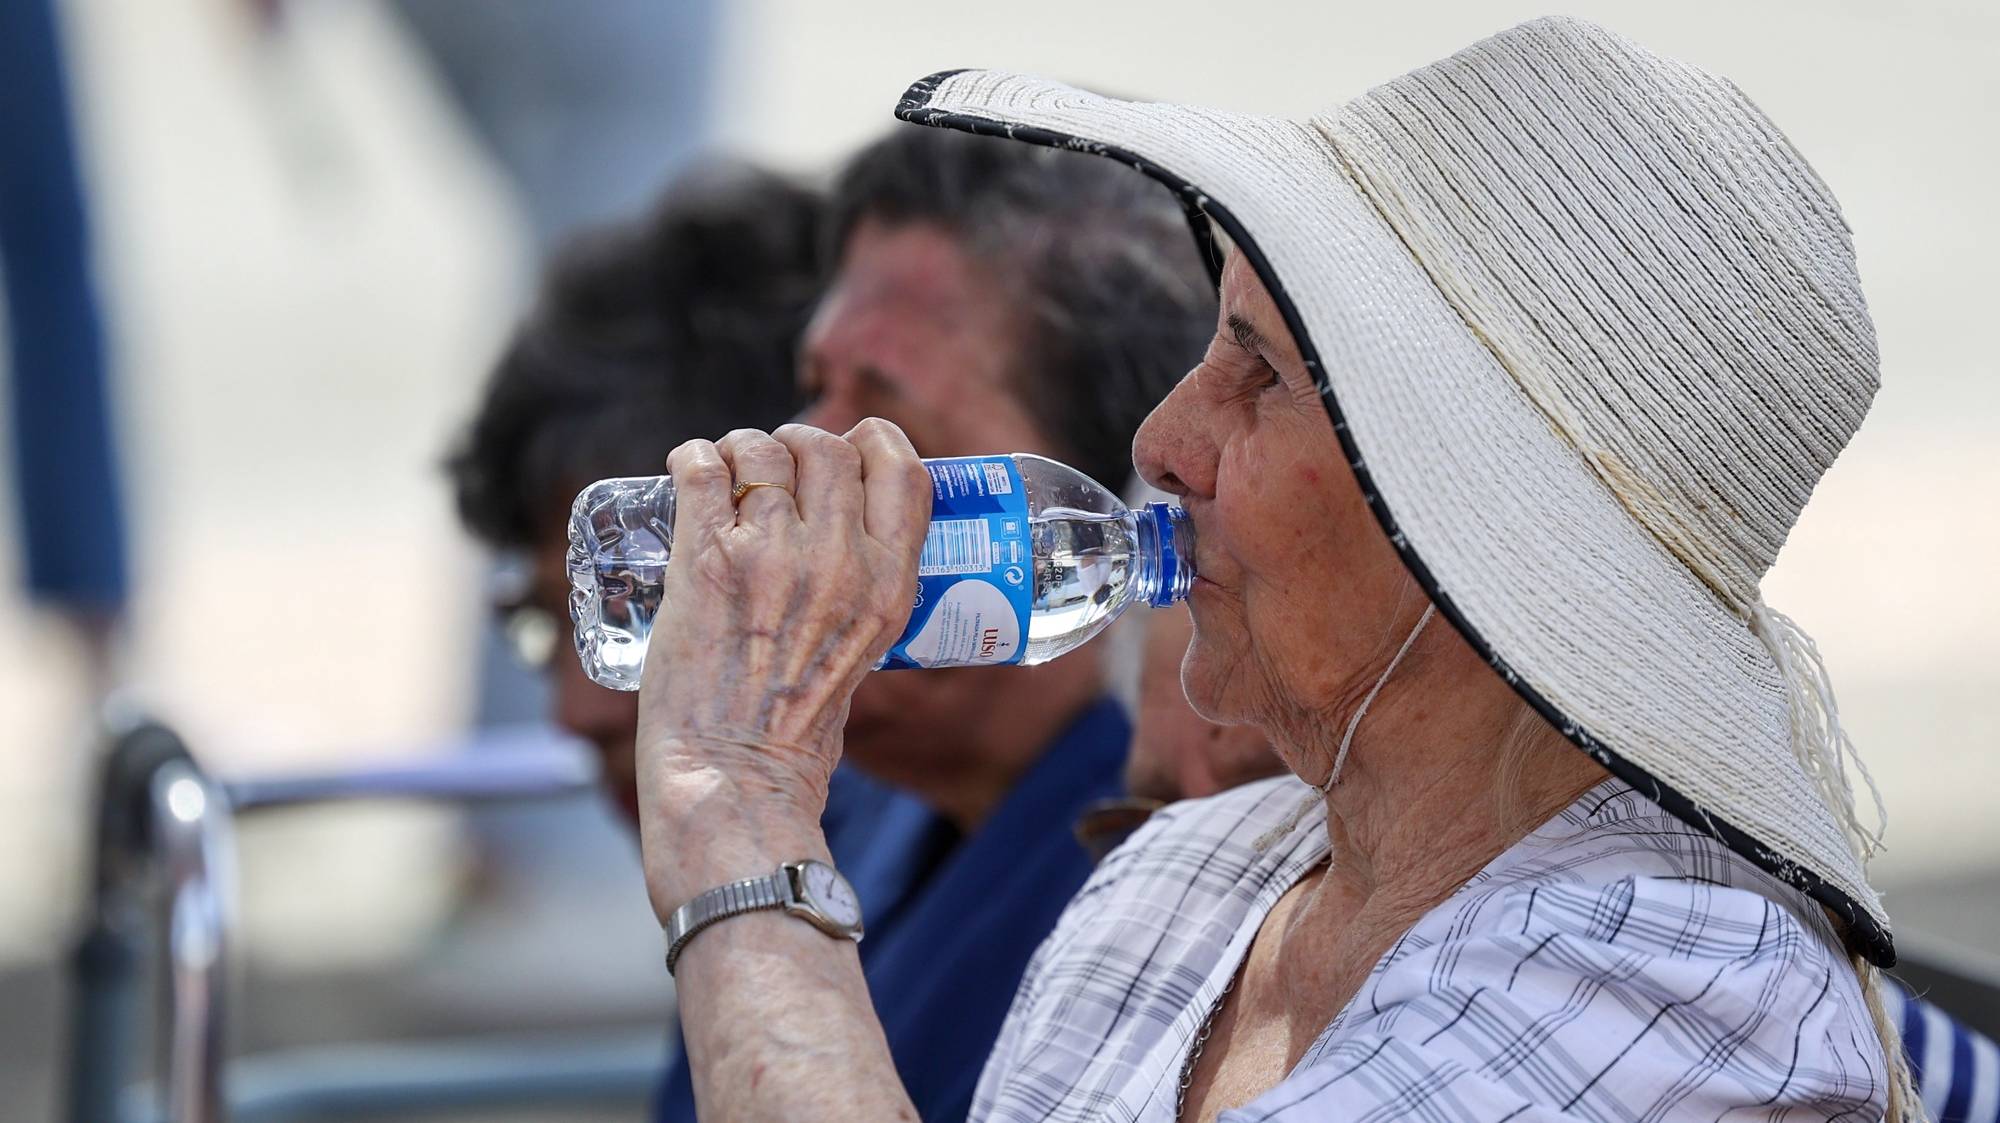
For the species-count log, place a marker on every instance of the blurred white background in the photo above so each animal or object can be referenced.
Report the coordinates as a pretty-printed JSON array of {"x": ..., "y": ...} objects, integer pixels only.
[{"x": 309, "y": 263}]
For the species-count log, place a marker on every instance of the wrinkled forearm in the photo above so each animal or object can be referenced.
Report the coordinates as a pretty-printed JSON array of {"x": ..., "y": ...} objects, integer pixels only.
[
  {"x": 775, "y": 1015},
  {"x": 778, "y": 1026}
]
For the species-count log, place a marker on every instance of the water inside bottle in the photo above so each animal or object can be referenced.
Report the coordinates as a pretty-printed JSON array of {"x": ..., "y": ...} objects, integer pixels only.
[
  {"x": 1083, "y": 576},
  {"x": 617, "y": 579},
  {"x": 629, "y": 600}
]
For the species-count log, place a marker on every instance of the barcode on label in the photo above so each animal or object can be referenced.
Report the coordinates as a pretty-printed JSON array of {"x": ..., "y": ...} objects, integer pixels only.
[
  {"x": 997, "y": 480},
  {"x": 956, "y": 546}
]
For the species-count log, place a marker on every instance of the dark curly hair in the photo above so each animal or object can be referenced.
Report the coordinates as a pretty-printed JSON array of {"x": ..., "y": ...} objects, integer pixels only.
[
  {"x": 1098, "y": 260},
  {"x": 681, "y": 324}
]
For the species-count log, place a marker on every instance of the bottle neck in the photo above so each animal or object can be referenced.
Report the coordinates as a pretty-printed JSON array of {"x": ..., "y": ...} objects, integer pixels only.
[{"x": 1166, "y": 554}]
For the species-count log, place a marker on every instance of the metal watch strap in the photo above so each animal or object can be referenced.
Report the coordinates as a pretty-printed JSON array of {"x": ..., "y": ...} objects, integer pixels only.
[{"x": 724, "y": 901}]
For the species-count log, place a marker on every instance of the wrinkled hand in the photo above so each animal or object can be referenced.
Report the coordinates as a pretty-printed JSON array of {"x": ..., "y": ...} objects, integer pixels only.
[{"x": 775, "y": 607}]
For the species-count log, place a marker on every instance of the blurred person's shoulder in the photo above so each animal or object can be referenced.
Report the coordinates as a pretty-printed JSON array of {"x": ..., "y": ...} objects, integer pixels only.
[
  {"x": 1239, "y": 831},
  {"x": 1197, "y": 868}
]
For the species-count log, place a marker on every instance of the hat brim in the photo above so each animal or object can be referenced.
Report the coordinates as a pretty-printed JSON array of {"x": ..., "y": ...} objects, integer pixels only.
[{"x": 1512, "y": 536}]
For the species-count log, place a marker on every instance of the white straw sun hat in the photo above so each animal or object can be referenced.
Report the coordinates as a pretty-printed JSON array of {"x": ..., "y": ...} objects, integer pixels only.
[{"x": 1590, "y": 332}]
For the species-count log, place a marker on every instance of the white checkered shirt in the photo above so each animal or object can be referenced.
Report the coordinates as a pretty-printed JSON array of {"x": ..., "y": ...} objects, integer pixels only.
[{"x": 1615, "y": 965}]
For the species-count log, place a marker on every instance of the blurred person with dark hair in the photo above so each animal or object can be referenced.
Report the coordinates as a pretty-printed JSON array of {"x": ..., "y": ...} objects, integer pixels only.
[
  {"x": 682, "y": 322},
  {"x": 990, "y": 298}
]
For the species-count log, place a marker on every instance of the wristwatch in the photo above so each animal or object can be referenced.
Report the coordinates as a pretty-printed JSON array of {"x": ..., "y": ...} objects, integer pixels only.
[{"x": 812, "y": 891}]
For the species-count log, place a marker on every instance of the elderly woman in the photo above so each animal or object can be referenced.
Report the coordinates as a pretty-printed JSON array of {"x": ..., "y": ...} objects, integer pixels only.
[{"x": 1526, "y": 364}]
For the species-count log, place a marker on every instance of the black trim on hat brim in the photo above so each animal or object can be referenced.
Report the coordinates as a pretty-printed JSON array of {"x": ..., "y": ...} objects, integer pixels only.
[{"x": 1869, "y": 937}]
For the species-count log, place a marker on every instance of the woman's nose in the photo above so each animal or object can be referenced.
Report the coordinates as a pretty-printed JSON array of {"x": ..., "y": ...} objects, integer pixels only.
[{"x": 1173, "y": 451}]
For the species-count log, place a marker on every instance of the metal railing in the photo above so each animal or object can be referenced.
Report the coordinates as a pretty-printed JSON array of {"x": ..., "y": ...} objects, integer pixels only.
[{"x": 164, "y": 883}]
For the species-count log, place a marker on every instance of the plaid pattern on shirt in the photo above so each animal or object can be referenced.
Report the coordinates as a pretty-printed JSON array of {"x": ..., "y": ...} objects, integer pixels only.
[{"x": 1615, "y": 965}]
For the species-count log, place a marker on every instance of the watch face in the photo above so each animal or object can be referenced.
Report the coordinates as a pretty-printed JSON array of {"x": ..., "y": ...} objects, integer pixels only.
[{"x": 830, "y": 894}]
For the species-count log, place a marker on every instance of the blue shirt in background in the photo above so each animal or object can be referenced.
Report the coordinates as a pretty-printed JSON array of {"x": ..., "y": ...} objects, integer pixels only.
[
  {"x": 66, "y": 482},
  {"x": 884, "y": 842},
  {"x": 1957, "y": 1068},
  {"x": 951, "y": 921}
]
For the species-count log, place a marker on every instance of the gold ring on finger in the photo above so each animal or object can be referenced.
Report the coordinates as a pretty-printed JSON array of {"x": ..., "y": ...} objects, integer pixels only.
[{"x": 744, "y": 489}]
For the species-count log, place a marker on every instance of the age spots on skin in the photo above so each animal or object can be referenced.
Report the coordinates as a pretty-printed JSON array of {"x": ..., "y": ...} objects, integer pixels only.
[{"x": 1310, "y": 476}]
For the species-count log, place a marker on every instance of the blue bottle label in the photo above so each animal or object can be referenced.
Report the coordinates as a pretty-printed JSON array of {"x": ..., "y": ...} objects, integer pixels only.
[{"x": 976, "y": 580}]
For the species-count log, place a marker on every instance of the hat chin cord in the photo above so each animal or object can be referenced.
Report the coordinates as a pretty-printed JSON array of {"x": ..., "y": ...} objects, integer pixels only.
[
  {"x": 1354, "y": 723},
  {"x": 1320, "y": 790}
]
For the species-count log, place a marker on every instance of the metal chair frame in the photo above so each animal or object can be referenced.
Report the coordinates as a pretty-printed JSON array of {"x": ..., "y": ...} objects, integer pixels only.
[{"x": 164, "y": 881}]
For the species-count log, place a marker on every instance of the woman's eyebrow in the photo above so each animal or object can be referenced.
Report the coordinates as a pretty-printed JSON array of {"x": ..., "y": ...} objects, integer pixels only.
[{"x": 1246, "y": 333}]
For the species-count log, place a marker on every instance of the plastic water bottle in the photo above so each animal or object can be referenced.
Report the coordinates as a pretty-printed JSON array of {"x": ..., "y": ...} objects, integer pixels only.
[{"x": 1026, "y": 559}]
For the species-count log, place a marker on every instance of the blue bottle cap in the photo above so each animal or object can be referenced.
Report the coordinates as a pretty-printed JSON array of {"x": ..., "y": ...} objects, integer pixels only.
[{"x": 1170, "y": 561}]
